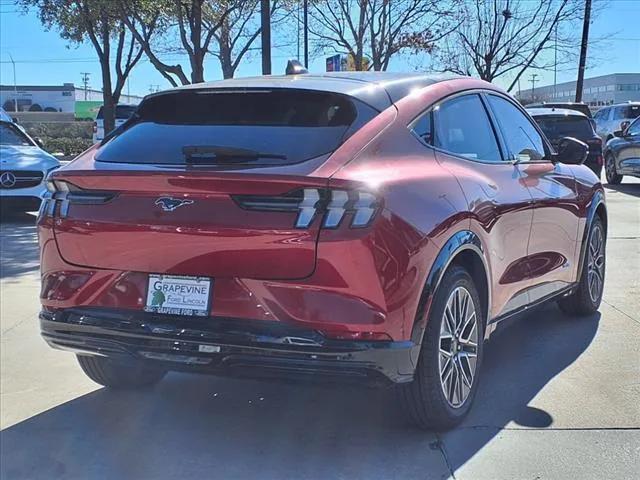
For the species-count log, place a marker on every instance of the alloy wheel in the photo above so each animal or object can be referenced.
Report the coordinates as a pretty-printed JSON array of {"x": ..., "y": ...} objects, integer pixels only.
[
  {"x": 595, "y": 265},
  {"x": 458, "y": 347}
]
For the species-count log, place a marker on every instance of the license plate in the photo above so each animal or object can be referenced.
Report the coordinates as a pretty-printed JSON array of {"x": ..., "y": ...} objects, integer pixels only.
[{"x": 178, "y": 295}]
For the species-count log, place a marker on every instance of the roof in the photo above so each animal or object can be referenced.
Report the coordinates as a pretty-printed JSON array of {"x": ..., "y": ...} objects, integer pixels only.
[
  {"x": 554, "y": 112},
  {"x": 67, "y": 87},
  {"x": 378, "y": 89}
]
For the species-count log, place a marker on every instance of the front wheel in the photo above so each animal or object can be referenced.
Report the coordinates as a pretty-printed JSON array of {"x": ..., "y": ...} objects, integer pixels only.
[
  {"x": 610, "y": 170},
  {"x": 587, "y": 297},
  {"x": 114, "y": 374},
  {"x": 446, "y": 378}
]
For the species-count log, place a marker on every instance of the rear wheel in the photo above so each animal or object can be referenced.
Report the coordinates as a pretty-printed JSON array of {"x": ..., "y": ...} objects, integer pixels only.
[
  {"x": 587, "y": 297},
  {"x": 125, "y": 375},
  {"x": 446, "y": 378},
  {"x": 610, "y": 170}
]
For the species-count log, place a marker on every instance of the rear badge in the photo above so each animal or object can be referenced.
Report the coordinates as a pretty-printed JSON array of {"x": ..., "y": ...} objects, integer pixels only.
[{"x": 169, "y": 204}]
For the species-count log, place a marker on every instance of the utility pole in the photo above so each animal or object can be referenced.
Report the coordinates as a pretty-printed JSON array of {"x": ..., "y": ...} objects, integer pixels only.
[
  {"x": 532, "y": 79},
  {"x": 583, "y": 49},
  {"x": 15, "y": 86},
  {"x": 85, "y": 82},
  {"x": 555, "y": 64},
  {"x": 305, "y": 8},
  {"x": 265, "y": 20}
]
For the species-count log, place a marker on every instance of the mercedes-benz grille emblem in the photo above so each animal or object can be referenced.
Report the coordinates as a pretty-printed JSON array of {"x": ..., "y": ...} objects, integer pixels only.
[
  {"x": 169, "y": 204},
  {"x": 7, "y": 179}
]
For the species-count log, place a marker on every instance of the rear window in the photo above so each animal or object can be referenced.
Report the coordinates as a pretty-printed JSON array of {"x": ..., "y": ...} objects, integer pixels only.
[
  {"x": 632, "y": 111},
  {"x": 248, "y": 127},
  {"x": 555, "y": 127},
  {"x": 122, "y": 112}
]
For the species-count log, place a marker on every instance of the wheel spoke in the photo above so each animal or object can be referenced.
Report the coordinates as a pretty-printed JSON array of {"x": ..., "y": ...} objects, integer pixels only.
[{"x": 458, "y": 346}]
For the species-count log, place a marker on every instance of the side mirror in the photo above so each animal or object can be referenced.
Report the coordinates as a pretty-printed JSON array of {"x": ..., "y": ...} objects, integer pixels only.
[
  {"x": 624, "y": 125},
  {"x": 572, "y": 151}
]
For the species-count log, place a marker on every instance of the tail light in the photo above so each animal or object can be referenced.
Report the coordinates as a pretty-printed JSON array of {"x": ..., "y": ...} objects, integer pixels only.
[
  {"x": 333, "y": 204},
  {"x": 595, "y": 148},
  {"x": 60, "y": 194},
  {"x": 95, "y": 127}
]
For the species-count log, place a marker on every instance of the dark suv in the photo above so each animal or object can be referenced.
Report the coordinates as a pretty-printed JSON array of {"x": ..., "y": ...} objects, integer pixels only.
[{"x": 557, "y": 123}]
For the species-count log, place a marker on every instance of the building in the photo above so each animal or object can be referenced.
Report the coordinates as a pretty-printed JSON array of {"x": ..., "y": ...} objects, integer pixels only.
[
  {"x": 66, "y": 98},
  {"x": 597, "y": 91}
]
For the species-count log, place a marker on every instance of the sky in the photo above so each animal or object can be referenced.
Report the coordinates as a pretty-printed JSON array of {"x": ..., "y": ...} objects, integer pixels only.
[{"x": 43, "y": 58}]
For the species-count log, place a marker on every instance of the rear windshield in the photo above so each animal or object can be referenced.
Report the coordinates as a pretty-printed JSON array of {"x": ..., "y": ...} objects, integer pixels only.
[
  {"x": 122, "y": 111},
  {"x": 248, "y": 127},
  {"x": 555, "y": 127},
  {"x": 632, "y": 111},
  {"x": 11, "y": 135}
]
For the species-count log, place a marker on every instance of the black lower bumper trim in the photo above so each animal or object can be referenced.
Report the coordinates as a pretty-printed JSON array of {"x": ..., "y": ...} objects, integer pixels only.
[{"x": 234, "y": 347}]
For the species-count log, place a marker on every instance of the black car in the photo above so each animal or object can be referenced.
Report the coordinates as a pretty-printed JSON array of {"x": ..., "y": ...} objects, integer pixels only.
[
  {"x": 622, "y": 153},
  {"x": 578, "y": 107},
  {"x": 557, "y": 123}
]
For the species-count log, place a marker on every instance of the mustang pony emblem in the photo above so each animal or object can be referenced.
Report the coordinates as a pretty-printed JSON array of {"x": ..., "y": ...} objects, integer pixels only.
[{"x": 169, "y": 204}]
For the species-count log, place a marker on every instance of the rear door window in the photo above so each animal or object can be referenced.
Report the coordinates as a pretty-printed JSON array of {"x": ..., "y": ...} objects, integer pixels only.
[
  {"x": 248, "y": 127},
  {"x": 463, "y": 127}
]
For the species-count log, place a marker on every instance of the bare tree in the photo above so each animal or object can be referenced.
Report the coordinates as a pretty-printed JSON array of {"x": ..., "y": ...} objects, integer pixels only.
[
  {"x": 239, "y": 30},
  {"x": 98, "y": 21},
  {"x": 193, "y": 22},
  {"x": 500, "y": 37},
  {"x": 379, "y": 29}
]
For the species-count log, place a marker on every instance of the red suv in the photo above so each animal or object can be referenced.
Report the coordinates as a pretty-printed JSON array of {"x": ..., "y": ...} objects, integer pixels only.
[{"x": 363, "y": 226}]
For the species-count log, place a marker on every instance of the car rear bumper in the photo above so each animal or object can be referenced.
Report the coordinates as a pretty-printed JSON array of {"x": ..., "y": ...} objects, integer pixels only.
[
  {"x": 25, "y": 203},
  {"x": 232, "y": 347}
]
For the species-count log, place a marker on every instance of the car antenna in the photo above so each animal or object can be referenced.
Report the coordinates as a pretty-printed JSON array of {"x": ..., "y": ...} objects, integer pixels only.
[{"x": 294, "y": 67}]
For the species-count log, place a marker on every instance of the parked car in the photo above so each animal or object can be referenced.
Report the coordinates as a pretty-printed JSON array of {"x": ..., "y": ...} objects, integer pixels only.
[
  {"x": 367, "y": 226},
  {"x": 609, "y": 119},
  {"x": 559, "y": 123},
  {"x": 622, "y": 153},
  {"x": 123, "y": 112},
  {"x": 578, "y": 107},
  {"x": 23, "y": 169}
]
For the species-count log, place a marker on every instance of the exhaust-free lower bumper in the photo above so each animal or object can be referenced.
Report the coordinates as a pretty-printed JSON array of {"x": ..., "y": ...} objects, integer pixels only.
[{"x": 233, "y": 347}]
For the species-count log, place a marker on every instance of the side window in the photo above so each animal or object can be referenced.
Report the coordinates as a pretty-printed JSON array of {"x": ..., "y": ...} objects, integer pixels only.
[
  {"x": 522, "y": 139},
  {"x": 423, "y": 128},
  {"x": 463, "y": 127},
  {"x": 619, "y": 113},
  {"x": 599, "y": 115},
  {"x": 634, "y": 128}
]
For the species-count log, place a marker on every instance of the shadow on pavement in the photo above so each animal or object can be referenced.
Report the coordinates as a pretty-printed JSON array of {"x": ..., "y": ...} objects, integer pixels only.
[
  {"x": 628, "y": 188},
  {"x": 204, "y": 427},
  {"x": 519, "y": 361},
  {"x": 19, "y": 247}
]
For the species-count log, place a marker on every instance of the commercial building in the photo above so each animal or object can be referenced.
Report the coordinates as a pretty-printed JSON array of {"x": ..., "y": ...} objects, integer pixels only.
[
  {"x": 597, "y": 91},
  {"x": 67, "y": 98}
]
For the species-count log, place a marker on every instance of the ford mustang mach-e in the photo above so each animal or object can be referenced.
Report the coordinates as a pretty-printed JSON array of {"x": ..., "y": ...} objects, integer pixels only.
[{"x": 369, "y": 227}]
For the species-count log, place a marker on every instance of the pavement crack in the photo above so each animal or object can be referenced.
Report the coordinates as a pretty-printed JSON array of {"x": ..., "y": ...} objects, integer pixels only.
[
  {"x": 552, "y": 429},
  {"x": 621, "y": 311},
  {"x": 439, "y": 445}
]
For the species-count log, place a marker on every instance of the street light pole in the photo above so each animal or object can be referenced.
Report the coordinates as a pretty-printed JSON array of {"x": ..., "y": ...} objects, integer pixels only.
[
  {"x": 15, "y": 85},
  {"x": 305, "y": 8},
  {"x": 265, "y": 20}
]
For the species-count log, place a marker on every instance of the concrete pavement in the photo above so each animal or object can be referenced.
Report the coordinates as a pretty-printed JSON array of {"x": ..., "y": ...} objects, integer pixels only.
[{"x": 558, "y": 399}]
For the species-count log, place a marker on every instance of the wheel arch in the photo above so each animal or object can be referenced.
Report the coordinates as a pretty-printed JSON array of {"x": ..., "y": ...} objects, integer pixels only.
[
  {"x": 465, "y": 249},
  {"x": 596, "y": 207}
]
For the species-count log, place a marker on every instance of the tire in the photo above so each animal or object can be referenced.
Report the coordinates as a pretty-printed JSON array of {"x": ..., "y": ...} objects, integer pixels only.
[
  {"x": 424, "y": 399},
  {"x": 120, "y": 375},
  {"x": 610, "y": 170},
  {"x": 586, "y": 300}
]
